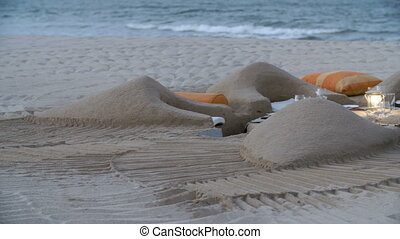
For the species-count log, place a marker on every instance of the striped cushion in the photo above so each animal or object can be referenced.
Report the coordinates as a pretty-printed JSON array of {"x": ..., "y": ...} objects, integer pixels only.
[
  {"x": 344, "y": 82},
  {"x": 205, "y": 97}
]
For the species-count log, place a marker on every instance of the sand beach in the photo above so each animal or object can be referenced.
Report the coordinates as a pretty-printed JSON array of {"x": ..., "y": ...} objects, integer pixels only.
[{"x": 90, "y": 132}]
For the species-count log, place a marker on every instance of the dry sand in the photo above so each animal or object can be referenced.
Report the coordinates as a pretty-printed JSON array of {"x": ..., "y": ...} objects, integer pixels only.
[{"x": 56, "y": 174}]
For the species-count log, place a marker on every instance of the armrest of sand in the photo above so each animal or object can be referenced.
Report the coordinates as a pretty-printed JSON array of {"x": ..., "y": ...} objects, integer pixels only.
[
  {"x": 392, "y": 84},
  {"x": 142, "y": 101}
]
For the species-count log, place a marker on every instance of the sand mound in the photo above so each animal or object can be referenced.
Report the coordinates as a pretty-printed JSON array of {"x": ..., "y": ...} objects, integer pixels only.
[
  {"x": 253, "y": 88},
  {"x": 142, "y": 101},
  {"x": 313, "y": 130},
  {"x": 392, "y": 84}
]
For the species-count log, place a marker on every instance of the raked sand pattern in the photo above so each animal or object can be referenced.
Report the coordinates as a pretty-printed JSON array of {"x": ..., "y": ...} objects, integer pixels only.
[
  {"x": 153, "y": 174},
  {"x": 150, "y": 175}
]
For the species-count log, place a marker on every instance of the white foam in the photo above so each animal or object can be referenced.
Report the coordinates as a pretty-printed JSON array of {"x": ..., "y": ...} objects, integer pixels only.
[
  {"x": 236, "y": 31},
  {"x": 141, "y": 26}
]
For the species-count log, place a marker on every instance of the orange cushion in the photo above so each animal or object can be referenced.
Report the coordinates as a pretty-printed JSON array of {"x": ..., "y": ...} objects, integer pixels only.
[
  {"x": 344, "y": 82},
  {"x": 205, "y": 97}
]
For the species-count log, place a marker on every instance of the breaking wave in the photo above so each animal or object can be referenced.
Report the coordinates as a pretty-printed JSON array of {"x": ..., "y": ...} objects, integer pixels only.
[{"x": 236, "y": 31}]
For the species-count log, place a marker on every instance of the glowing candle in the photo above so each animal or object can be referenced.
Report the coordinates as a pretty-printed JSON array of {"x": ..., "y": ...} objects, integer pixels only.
[{"x": 374, "y": 100}]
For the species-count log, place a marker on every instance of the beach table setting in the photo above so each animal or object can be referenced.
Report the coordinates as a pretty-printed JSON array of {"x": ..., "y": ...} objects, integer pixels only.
[{"x": 382, "y": 108}]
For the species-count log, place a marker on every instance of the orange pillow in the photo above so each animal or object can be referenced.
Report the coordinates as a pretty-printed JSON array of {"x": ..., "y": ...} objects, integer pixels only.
[
  {"x": 205, "y": 97},
  {"x": 343, "y": 82}
]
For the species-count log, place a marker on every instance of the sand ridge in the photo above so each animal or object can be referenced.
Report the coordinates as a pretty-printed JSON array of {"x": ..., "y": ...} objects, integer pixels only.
[
  {"x": 142, "y": 101},
  {"x": 254, "y": 87}
]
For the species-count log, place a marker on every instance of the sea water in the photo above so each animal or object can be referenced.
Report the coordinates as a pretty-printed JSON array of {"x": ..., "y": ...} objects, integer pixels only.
[{"x": 366, "y": 20}]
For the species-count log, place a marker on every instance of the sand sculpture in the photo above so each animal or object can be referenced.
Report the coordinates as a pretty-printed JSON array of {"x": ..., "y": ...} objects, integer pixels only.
[
  {"x": 252, "y": 88},
  {"x": 392, "y": 84},
  {"x": 142, "y": 101},
  {"x": 313, "y": 131}
]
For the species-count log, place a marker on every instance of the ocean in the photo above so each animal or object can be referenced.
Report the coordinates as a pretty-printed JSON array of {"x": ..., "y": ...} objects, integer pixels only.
[{"x": 338, "y": 20}]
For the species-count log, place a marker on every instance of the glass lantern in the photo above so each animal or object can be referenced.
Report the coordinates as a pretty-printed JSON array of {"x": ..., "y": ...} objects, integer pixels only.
[{"x": 374, "y": 100}]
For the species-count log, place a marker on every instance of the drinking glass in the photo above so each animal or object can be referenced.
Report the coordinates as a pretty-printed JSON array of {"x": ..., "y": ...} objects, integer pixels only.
[
  {"x": 390, "y": 98},
  {"x": 386, "y": 105}
]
